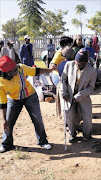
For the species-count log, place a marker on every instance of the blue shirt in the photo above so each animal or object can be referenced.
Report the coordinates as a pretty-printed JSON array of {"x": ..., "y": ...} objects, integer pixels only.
[
  {"x": 91, "y": 52},
  {"x": 61, "y": 67},
  {"x": 26, "y": 56}
]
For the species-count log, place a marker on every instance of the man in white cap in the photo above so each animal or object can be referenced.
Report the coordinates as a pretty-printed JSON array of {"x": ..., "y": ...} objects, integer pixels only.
[{"x": 26, "y": 52}]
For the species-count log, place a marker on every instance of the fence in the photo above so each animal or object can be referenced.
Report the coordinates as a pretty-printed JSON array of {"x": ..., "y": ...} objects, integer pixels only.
[
  {"x": 39, "y": 43},
  {"x": 15, "y": 40}
]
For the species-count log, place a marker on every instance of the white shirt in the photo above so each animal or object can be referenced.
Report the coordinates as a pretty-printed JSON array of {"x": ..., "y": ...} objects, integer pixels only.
[
  {"x": 11, "y": 53},
  {"x": 4, "y": 51}
]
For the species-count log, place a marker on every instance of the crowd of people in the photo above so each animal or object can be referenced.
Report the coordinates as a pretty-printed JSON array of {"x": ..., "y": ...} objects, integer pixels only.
[
  {"x": 78, "y": 73},
  {"x": 74, "y": 71}
]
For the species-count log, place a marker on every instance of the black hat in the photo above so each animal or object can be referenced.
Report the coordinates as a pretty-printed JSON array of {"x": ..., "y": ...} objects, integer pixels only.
[{"x": 82, "y": 56}]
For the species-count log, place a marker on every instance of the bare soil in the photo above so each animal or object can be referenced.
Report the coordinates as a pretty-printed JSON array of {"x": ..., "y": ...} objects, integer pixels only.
[{"x": 81, "y": 161}]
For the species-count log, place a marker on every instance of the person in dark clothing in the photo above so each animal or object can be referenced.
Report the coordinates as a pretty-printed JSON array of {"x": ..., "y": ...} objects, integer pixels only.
[
  {"x": 26, "y": 52},
  {"x": 51, "y": 51}
]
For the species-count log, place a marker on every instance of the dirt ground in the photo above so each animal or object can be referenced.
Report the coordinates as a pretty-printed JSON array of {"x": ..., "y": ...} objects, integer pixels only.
[{"x": 81, "y": 161}]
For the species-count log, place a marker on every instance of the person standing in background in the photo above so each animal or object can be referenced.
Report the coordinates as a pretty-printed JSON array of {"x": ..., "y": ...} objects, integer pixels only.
[
  {"x": 65, "y": 42},
  {"x": 90, "y": 49},
  {"x": 12, "y": 52},
  {"x": 51, "y": 51},
  {"x": 26, "y": 52},
  {"x": 77, "y": 43},
  {"x": 3, "y": 50},
  {"x": 95, "y": 45}
]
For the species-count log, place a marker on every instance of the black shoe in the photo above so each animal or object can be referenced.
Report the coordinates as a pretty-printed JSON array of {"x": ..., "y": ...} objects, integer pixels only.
[
  {"x": 85, "y": 138},
  {"x": 71, "y": 138},
  {"x": 78, "y": 129}
]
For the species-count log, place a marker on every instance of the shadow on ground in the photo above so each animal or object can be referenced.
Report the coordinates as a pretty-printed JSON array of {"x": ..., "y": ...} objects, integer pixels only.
[{"x": 79, "y": 148}]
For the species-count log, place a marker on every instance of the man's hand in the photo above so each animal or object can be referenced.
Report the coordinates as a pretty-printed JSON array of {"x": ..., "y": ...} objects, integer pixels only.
[
  {"x": 53, "y": 66},
  {"x": 66, "y": 97}
]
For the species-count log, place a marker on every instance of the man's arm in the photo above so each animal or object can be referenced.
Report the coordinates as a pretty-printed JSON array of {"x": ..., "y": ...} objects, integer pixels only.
[
  {"x": 5, "y": 124},
  {"x": 21, "y": 53},
  {"x": 44, "y": 70},
  {"x": 51, "y": 47},
  {"x": 3, "y": 106}
]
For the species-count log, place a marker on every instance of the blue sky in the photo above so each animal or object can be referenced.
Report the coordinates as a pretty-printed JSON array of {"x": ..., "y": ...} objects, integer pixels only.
[{"x": 9, "y": 9}]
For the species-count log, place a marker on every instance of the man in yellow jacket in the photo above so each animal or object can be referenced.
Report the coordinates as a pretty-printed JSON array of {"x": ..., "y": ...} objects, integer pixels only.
[{"x": 16, "y": 91}]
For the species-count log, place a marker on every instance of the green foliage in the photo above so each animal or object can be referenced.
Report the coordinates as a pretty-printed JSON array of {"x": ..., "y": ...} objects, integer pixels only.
[
  {"x": 21, "y": 155},
  {"x": 34, "y": 21},
  {"x": 26, "y": 29},
  {"x": 31, "y": 14},
  {"x": 14, "y": 28},
  {"x": 76, "y": 22},
  {"x": 31, "y": 11},
  {"x": 53, "y": 23},
  {"x": 43, "y": 172},
  {"x": 22, "y": 27},
  {"x": 10, "y": 29},
  {"x": 95, "y": 22},
  {"x": 79, "y": 10}
]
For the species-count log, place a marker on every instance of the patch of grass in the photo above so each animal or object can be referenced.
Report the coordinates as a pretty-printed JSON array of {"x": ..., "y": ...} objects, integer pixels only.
[
  {"x": 67, "y": 170},
  {"x": 72, "y": 170},
  {"x": 49, "y": 176},
  {"x": 40, "y": 171},
  {"x": 43, "y": 171},
  {"x": 21, "y": 155}
]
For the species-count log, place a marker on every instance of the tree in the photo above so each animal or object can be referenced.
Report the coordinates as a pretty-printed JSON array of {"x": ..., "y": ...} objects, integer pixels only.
[
  {"x": 52, "y": 23},
  {"x": 79, "y": 10},
  {"x": 14, "y": 28},
  {"x": 10, "y": 29},
  {"x": 22, "y": 28},
  {"x": 95, "y": 23},
  {"x": 31, "y": 11}
]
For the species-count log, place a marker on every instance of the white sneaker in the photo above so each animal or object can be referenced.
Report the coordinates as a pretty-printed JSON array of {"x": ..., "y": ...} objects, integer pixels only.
[
  {"x": 46, "y": 146},
  {"x": 2, "y": 149}
]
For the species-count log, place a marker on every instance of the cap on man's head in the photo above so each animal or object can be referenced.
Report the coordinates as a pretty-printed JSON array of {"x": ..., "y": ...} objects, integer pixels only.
[
  {"x": 6, "y": 64},
  {"x": 10, "y": 42},
  {"x": 82, "y": 56},
  {"x": 26, "y": 37}
]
